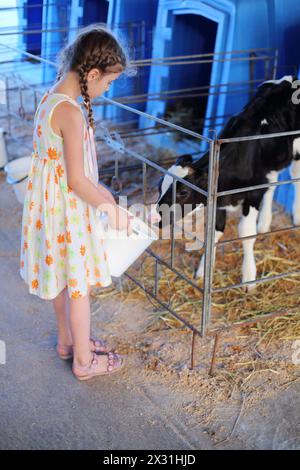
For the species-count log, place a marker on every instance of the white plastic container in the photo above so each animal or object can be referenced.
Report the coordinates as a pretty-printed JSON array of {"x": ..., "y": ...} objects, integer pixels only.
[
  {"x": 17, "y": 174},
  {"x": 123, "y": 250}
]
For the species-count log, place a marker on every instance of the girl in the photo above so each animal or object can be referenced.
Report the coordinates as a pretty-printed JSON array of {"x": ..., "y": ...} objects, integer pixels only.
[{"x": 61, "y": 255}]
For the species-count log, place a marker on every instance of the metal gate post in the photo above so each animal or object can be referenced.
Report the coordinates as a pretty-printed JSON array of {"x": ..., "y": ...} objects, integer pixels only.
[{"x": 213, "y": 173}]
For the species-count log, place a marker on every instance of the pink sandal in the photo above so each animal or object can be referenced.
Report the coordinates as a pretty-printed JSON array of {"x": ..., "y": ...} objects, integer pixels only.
[
  {"x": 66, "y": 352},
  {"x": 115, "y": 362}
]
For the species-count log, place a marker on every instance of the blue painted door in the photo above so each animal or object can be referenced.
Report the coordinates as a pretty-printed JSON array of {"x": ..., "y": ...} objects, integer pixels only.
[
  {"x": 33, "y": 12},
  {"x": 191, "y": 34},
  {"x": 94, "y": 11}
]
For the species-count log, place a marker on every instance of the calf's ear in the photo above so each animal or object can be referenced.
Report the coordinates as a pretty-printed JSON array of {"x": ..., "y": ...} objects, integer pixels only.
[{"x": 184, "y": 160}]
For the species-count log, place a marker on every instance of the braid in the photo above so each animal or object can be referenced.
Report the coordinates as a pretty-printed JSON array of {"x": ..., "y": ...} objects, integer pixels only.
[
  {"x": 82, "y": 71},
  {"x": 93, "y": 60}
]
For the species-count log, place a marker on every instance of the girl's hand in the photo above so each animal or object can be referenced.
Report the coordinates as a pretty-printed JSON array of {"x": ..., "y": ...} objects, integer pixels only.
[
  {"x": 118, "y": 218},
  {"x": 108, "y": 195}
]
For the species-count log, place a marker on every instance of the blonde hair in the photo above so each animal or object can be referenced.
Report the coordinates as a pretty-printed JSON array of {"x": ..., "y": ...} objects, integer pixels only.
[{"x": 95, "y": 46}]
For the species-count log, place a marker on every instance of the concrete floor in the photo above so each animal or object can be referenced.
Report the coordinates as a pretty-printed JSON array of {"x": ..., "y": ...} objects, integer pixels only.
[{"x": 44, "y": 407}]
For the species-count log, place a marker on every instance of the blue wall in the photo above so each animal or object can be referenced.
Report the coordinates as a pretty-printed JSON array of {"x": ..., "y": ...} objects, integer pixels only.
[{"x": 160, "y": 28}]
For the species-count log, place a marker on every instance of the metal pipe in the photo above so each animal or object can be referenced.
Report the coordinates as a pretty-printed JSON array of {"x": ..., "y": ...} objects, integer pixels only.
[{"x": 213, "y": 173}]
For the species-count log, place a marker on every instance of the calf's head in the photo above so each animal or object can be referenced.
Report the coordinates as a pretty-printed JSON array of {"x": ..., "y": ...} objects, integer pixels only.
[{"x": 186, "y": 198}]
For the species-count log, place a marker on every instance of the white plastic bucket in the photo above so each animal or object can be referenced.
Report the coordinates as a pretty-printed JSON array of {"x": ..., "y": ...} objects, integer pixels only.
[
  {"x": 17, "y": 174},
  {"x": 123, "y": 250}
]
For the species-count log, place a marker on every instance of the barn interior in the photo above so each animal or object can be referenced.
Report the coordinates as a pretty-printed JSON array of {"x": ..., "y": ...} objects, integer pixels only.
[{"x": 194, "y": 65}]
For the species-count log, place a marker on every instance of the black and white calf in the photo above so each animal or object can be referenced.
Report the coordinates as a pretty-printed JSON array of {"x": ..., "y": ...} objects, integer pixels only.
[{"x": 244, "y": 164}]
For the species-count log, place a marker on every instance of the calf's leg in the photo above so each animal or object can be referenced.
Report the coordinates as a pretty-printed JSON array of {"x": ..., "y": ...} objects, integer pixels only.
[
  {"x": 247, "y": 227},
  {"x": 265, "y": 211},
  {"x": 220, "y": 227}
]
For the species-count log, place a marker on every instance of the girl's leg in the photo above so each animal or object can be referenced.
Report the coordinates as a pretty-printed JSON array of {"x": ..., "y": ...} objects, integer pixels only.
[
  {"x": 61, "y": 307},
  {"x": 80, "y": 324}
]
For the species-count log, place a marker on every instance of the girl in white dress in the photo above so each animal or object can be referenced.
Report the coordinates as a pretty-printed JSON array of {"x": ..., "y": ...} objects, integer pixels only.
[{"x": 61, "y": 255}]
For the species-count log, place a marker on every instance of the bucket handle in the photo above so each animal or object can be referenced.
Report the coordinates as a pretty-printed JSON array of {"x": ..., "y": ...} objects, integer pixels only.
[{"x": 11, "y": 181}]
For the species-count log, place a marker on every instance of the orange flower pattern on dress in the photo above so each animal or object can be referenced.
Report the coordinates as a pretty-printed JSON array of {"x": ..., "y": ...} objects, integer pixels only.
[
  {"x": 52, "y": 153},
  {"x": 59, "y": 243},
  {"x": 60, "y": 170},
  {"x": 68, "y": 237},
  {"x": 60, "y": 238},
  {"x": 76, "y": 294},
  {"x": 73, "y": 282},
  {"x": 63, "y": 252},
  {"x": 73, "y": 204},
  {"x": 49, "y": 259}
]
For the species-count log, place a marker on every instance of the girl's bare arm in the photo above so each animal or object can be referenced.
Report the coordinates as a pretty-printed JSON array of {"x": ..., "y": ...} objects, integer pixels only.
[
  {"x": 70, "y": 121},
  {"x": 72, "y": 129}
]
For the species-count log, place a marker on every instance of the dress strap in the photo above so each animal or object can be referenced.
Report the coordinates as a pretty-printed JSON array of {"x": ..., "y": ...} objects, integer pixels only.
[{"x": 91, "y": 156}]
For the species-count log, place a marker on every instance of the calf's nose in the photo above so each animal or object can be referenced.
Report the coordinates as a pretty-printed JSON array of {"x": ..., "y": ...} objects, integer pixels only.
[{"x": 153, "y": 215}]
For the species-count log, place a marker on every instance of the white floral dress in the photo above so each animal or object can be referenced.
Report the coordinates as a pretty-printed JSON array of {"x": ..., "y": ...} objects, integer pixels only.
[{"x": 59, "y": 243}]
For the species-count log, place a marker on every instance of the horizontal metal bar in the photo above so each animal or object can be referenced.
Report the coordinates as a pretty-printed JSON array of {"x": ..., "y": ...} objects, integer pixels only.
[
  {"x": 26, "y": 7},
  {"x": 256, "y": 281},
  {"x": 132, "y": 99},
  {"x": 208, "y": 54},
  {"x": 258, "y": 186},
  {"x": 161, "y": 121},
  {"x": 205, "y": 87},
  {"x": 157, "y": 62},
  {"x": 166, "y": 172},
  {"x": 257, "y": 319},
  {"x": 28, "y": 54},
  {"x": 257, "y": 235},
  {"x": 257, "y": 137}
]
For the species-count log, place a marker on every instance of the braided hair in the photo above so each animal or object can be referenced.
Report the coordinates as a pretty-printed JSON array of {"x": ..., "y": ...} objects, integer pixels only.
[{"x": 95, "y": 46}]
